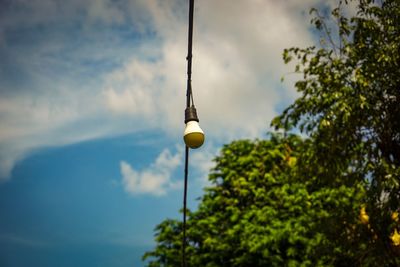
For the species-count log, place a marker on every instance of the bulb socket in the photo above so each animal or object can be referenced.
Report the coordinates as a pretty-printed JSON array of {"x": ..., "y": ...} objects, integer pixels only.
[{"x": 191, "y": 114}]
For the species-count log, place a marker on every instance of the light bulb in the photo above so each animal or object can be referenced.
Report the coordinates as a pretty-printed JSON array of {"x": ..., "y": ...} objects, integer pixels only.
[{"x": 193, "y": 135}]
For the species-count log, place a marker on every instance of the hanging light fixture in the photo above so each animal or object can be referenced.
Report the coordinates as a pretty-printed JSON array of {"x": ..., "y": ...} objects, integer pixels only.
[{"x": 193, "y": 135}]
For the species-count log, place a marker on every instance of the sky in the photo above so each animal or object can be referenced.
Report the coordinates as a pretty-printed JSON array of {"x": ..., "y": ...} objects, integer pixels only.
[{"x": 92, "y": 98}]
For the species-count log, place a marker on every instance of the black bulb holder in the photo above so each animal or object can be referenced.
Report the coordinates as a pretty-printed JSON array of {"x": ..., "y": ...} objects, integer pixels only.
[{"x": 191, "y": 114}]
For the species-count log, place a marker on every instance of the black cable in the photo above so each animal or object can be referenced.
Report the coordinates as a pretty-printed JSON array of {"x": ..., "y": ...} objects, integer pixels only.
[
  {"x": 189, "y": 97},
  {"x": 184, "y": 207},
  {"x": 189, "y": 56}
]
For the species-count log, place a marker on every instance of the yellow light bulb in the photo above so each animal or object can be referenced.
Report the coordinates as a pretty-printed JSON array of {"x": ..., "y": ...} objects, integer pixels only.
[{"x": 193, "y": 135}]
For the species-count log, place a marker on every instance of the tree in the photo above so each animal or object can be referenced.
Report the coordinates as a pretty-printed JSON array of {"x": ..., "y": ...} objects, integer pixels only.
[
  {"x": 350, "y": 108},
  {"x": 257, "y": 213},
  {"x": 330, "y": 199}
]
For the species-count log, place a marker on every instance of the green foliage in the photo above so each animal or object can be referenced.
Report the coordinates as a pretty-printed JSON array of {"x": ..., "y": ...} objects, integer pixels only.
[
  {"x": 169, "y": 244},
  {"x": 257, "y": 213},
  {"x": 350, "y": 107},
  {"x": 288, "y": 201}
]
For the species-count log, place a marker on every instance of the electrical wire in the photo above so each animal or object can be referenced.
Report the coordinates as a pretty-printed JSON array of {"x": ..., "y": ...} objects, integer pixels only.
[
  {"x": 189, "y": 97},
  {"x": 184, "y": 263}
]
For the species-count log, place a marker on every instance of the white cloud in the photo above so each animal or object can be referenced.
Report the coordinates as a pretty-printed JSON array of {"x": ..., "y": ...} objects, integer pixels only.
[
  {"x": 133, "y": 89},
  {"x": 236, "y": 67},
  {"x": 76, "y": 83},
  {"x": 156, "y": 179}
]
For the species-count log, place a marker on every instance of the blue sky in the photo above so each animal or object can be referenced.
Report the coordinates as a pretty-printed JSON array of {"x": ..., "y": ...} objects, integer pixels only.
[{"x": 92, "y": 97}]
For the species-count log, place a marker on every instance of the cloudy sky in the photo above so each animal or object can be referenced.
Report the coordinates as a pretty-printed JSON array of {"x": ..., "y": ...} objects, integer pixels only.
[{"x": 92, "y": 97}]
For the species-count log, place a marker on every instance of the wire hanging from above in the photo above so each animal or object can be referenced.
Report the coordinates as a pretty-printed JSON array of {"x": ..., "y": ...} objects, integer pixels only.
[{"x": 193, "y": 134}]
